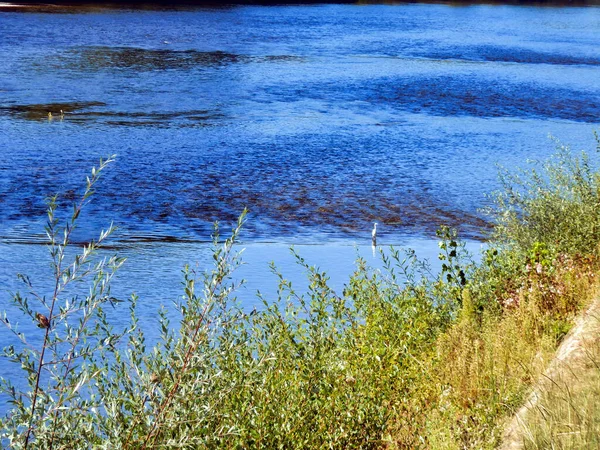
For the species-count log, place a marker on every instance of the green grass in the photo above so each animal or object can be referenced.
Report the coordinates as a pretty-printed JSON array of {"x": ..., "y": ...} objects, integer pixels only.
[{"x": 400, "y": 359}]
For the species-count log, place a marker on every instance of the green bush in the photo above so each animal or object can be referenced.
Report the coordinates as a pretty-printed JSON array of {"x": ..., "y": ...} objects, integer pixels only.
[
  {"x": 402, "y": 358},
  {"x": 557, "y": 206}
]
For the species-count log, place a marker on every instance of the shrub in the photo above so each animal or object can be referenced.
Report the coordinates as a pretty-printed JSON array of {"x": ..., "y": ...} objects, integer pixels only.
[
  {"x": 402, "y": 358},
  {"x": 556, "y": 207}
]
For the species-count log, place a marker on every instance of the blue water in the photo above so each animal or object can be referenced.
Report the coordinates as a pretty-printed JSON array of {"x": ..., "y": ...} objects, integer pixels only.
[{"x": 320, "y": 119}]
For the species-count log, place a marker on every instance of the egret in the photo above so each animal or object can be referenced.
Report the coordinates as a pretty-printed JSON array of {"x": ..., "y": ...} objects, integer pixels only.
[{"x": 374, "y": 233}]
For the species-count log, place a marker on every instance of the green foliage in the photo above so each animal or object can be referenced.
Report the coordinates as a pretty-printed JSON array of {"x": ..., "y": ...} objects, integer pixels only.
[
  {"x": 309, "y": 370},
  {"x": 402, "y": 358},
  {"x": 61, "y": 371},
  {"x": 557, "y": 206}
]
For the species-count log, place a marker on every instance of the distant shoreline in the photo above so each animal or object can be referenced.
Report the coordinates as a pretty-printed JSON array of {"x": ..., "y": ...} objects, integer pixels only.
[{"x": 151, "y": 4}]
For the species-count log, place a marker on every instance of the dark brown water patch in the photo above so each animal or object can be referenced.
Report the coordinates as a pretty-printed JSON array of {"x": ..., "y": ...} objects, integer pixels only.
[
  {"x": 492, "y": 53},
  {"x": 141, "y": 118},
  {"x": 85, "y": 113},
  {"x": 142, "y": 59},
  {"x": 44, "y": 111}
]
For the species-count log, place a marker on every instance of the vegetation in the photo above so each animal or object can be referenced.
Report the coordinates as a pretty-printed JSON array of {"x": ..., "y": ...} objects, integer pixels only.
[
  {"x": 566, "y": 414},
  {"x": 402, "y": 358}
]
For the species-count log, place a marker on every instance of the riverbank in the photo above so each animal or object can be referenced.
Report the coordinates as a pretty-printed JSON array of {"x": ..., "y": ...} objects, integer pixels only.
[
  {"x": 402, "y": 357},
  {"x": 55, "y": 6},
  {"x": 301, "y": 2}
]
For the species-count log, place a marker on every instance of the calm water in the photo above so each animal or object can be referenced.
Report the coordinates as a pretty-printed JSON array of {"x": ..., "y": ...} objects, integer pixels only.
[{"x": 319, "y": 119}]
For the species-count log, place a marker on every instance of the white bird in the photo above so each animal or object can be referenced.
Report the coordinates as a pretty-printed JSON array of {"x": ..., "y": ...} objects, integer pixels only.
[{"x": 374, "y": 233}]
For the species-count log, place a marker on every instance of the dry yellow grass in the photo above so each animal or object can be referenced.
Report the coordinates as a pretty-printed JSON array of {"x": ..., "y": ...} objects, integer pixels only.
[{"x": 563, "y": 409}]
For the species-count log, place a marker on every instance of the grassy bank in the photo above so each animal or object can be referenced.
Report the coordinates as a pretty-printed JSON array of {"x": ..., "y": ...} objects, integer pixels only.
[
  {"x": 402, "y": 358},
  {"x": 562, "y": 411}
]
